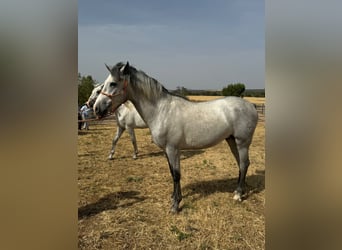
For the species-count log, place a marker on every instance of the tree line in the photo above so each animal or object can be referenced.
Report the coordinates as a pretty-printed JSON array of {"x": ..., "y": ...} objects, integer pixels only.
[
  {"x": 85, "y": 87},
  {"x": 232, "y": 89}
]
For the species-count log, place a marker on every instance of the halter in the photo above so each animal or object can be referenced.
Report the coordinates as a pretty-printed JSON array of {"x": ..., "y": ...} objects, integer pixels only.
[{"x": 124, "y": 90}]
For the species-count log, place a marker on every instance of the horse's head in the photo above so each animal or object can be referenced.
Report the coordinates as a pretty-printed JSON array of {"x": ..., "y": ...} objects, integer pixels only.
[
  {"x": 114, "y": 91},
  {"x": 94, "y": 94}
]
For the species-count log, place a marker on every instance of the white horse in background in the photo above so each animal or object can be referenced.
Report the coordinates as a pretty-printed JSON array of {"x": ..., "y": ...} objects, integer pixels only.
[
  {"x": 127, "y": 118},
  {"x": 176, "y": 123}
]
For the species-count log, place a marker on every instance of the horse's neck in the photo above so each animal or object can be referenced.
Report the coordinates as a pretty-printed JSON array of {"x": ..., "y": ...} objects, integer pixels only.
[
  {"x": 147, "y": 108},
  {"x": 119, "y": 113}
]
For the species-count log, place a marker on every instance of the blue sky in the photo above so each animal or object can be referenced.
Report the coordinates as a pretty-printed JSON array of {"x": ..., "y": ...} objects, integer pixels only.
[{"x": 202, "y": 44}]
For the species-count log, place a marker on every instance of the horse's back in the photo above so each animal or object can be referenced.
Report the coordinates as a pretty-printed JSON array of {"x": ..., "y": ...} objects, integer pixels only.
[
  {"x": 231, "y": 107},
  {"x": 203, "y": 124},
  {"x": 242, "y": 106},
  {"x": 236, "y": 114}
]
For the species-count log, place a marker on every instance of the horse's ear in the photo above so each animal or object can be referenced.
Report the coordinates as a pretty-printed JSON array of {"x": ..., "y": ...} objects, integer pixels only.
[
  {"x": 109, "y": 68},
  {"x": 125, "y": 69}
]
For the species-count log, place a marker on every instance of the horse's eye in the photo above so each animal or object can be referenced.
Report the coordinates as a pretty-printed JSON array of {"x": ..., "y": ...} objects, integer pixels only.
[
  {"x": 113, "y": 84},
  {"x": 98, "y": 92}
]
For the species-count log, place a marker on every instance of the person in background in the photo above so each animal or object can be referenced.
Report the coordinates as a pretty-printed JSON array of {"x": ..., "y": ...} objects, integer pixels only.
[
  {"x": 79, "y": 117},
  {"x": 85, "y": 113}
]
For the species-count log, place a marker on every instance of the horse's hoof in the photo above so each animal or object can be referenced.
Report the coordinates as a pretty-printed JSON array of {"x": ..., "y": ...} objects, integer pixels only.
[
  {"x": 134, "y": 157},
  {"x": 110, "y": 158},
  {"x": 237, "y": 196},
  {"x": 174, "y": 210}
]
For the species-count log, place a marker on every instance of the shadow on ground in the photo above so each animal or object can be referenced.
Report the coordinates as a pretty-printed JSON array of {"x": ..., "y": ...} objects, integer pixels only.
[
  {"x": 199, "y": 189},
  {"x": 184, "y": 154},
  {"x": 110, "y": 202}
]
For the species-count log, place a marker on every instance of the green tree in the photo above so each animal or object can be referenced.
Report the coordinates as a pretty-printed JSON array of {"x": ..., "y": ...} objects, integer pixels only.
[
  {"x": 85, "y": 86},
  {"x": 182, "y": 91},
  {"x": 234, "y": 89}
]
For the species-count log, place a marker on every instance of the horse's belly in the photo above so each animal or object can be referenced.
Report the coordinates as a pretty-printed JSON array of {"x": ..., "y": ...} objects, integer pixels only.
[{"x": 204, "y": 139}]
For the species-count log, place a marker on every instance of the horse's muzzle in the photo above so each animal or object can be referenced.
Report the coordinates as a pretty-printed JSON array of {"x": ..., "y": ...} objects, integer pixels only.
[{"x": 100, "y": 113}]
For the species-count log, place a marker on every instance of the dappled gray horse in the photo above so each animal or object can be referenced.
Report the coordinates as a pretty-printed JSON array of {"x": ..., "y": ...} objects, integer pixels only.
[
  {"x": 127, "y": 117},
  {"x": 176, "y": 123}
]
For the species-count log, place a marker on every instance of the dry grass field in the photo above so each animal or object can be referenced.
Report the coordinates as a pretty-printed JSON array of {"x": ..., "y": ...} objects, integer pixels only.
[
  {"x": 124, "y": 203},
  {"x": 256, "y": 100}
]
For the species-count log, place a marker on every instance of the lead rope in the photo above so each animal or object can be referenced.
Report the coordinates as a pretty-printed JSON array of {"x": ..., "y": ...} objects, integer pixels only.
[{"x": 96, "y": 119}]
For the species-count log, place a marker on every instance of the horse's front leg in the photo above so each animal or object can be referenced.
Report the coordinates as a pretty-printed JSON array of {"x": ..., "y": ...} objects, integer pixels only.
[
  {"x": 119, "y": 132},
  {"x": 173, "y": 157},
  {"x": 134, "y": 141}
]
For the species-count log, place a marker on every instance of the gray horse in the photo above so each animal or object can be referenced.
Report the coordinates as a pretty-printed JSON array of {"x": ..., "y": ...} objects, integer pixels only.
[
  {"x": 127, "y": 118},
  {"x": 176, "y": 123}
]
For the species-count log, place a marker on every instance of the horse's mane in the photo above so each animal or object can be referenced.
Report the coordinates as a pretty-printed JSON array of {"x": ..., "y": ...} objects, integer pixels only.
[
  {"x": 98, "y": 85},
  {"x": 146, "y": 84}
]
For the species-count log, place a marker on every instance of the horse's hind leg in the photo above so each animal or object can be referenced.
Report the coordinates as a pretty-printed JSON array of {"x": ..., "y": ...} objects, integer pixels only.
[
  {"x": 243, "y": 167},
  {"x": 233, "y": 148},
  {"x": 239, "y": 149},
  {"x": 134, "y": 142},
  {"x": 119, "y": 132}
]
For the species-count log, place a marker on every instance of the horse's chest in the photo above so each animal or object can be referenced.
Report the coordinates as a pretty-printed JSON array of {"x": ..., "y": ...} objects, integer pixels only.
[
  {"x": 163, "y": 136},
  {"x": 158, "y": 138}
]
